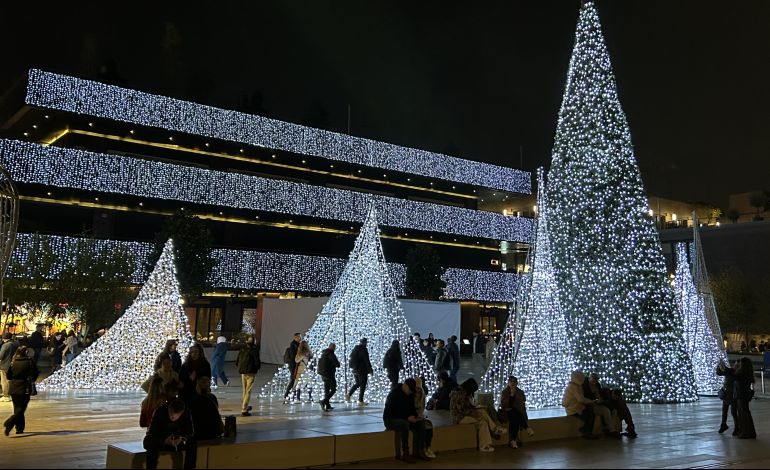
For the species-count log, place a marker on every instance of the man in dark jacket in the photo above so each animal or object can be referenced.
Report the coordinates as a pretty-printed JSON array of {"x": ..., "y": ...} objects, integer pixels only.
[
  {"x": 7, "y": 349},
  {"x": 728, "y": 402},
  {"x": 440, "y": 398},
  {"x": 248, "y": 365},
  {"x": 393, "y": 362},
  {"x": 362, "y": 367},
  {"x": 400, "y": 415},
  {"x": 36, "y": 341},
  {"x": 442, "y": 362},
  {"x": 327, "y": 369},
  {"x": 171, "y": 428},
  {"x": 454, "y": 357},
  {"x": 288, "y": 358}
]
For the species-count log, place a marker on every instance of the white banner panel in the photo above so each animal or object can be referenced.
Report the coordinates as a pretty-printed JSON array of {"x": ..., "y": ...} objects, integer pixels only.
[{"x": 281, "y": 318}]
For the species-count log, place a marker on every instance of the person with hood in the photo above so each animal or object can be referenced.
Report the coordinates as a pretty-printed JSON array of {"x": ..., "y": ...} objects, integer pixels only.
[
  {"x": 442, "y": 363},
  {"x": 170, "y": 351},
  {"x": 361, "y": 365},
  {"x": 194, "y": 367},
  {"x": 248, "y": 363},
  {"x": 289, "y": 358},
  {"x": 22, "y": 375},
  {"x": 218, "y": 361},
  {"x": 463, "y": 411},
  {"x": 454, "y": 357},
  {"x": 576, "y": 404},
  {"x": 393, "y": 362},
  {"x": 7, "y": 351},
  {"x": 327, "y": 369}
]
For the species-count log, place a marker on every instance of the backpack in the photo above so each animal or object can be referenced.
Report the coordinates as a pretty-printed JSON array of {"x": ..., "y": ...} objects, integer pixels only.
[{"x": 288, "y": 358}]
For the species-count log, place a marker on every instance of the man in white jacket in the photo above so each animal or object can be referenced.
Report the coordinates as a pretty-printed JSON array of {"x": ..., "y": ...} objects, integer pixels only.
[{"x": 576, "y": 404}]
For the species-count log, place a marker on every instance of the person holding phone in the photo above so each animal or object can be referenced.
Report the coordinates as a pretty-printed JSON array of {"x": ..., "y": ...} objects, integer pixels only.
[{"x": 171, "y": 428}]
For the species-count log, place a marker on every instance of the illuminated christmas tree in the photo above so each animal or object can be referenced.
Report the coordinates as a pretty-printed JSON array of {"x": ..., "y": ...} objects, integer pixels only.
[
  {"x": 539, "y": 354},
  {"x": 124, "y": 356},
  {"x": 622, "y": 316},
  {"x": 362, "y": 305},
  {"x": 703, "y": 336}
]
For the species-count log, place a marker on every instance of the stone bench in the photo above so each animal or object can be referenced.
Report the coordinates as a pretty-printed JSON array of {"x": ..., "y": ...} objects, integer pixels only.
[{"x": 325, "y": 443}]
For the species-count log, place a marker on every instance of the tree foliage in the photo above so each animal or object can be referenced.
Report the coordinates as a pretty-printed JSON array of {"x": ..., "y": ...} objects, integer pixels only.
[
  {"x": 192, "y": 252},
  {"x": 741, "y": 301},
  {"x": 424, "y": 274}
]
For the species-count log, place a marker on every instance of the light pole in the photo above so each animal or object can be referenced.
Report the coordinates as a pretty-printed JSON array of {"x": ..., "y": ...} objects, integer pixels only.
[{"x": 9, "y": 222}]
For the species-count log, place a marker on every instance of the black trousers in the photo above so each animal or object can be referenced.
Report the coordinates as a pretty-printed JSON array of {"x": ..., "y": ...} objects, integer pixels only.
[
  {"x": 361, "y": 380},
  {"x": 393, "y": 378},
  {"x": 190, "y": 449},
  {"x": 292, "y": 373},
  {"x": 403, "y": 427},
  {"x": 516, "y": 421},
  {"x": 745, "y": 423},
  {"x": 588, "y": 417},
  {"x": 729, "y": 404},
  {"x": 20, "y": 403},
  {"x": 330, "y": 388}
]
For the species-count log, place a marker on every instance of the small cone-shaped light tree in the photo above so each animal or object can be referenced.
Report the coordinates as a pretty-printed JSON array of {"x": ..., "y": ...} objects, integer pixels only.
[
  {"x": 124, "y": 356},
  {"x": 539, "y": 355},
  {"x": 622, "y": 316},
  {"x": 703, "y": 335},
  {"x": 362, "y": 305}
]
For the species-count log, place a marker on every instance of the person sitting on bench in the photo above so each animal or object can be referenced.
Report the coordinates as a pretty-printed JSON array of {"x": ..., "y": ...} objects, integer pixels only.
[
  {"x": 576, "y": 404},
  {"x": 400, "y": 415},
  {"x": 171, "y": 429}
]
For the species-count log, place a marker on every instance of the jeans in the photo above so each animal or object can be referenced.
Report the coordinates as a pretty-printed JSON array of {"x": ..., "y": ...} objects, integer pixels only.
[
  {"x": 247, "y": 382},
  {"x": 516, "y": 421},
  {"x": 330, "y": 388},
  {"x": 218, "y": 372},
  {"x": 403, "y": 427},
  {"x": 190, "y": 449},
  {"x": 729, "y": 405},
  {"x": 361, "y": 380},
  {"x": 292, "y": 372},
  {"x": 20, "y": 403}
]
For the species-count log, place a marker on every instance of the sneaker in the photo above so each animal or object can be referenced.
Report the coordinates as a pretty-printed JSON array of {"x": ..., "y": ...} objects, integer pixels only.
[
  {"x": 429, "y": 453},
  {"x": 486, "y": 449},
  {"x": 347, "y": 397},
  {"x": 630, "y": 435},
  {"x": 8, "y": 430},
  {"x": 329, "y": 407},
  {"x": 530, "y": 432},
  {"x": 514, "y": 445},
  {"x": 362, "y": 403},
  {"x": 249, "y": 408}
]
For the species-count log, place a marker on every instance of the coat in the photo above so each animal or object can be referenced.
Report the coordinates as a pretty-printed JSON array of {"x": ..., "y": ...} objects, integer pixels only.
[
  {"x": 454, "y": 355},
  {"x": 441, "y": 363},
  {"x": 359, "y": 360},
  {"x": 248, "y": 361},
  {"x": 478, "y": 344},
  {"x": 161, "y": 426},
  {"x": 218, "y": 358},
  {"x": 393, "y": 361},
  {"x": 516, "y": 401},
  {"x": 573, "y": 400},
  {"x": 6, "y": 353},
  {"x": 328, "y": 364},
  {"x": 22, "y": 371}
]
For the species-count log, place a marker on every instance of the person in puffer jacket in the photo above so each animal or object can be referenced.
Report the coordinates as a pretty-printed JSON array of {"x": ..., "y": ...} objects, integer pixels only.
[{"x": 576, "y": 404}]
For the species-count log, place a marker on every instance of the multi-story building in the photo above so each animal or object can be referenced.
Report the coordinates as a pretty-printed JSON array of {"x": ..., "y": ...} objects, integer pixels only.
[{"x": 283, "y": 201}]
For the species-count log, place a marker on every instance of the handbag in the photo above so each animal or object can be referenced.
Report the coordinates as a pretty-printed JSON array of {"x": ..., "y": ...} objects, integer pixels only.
[
  {"x": 31, "y": 387},
  {"x": 230, "y": 428}
]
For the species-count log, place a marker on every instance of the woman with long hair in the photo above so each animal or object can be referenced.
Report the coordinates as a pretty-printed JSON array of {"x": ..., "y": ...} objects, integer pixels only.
[
  {"x": 156, "y": 397},
  {"x": 194, "y": 367},
  {"x": 21, "y": 381},
  {"x": 302, "y": 359},
  {"x": 743, "y": 393}
]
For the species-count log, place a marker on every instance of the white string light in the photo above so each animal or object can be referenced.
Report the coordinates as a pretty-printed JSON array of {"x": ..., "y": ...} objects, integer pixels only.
[
  {"x": 77, "y": 169},
  {"x": 50, "y": 90},
  {"x": 622, "y": 315},
  {"x": 539, "y": 355},
  {"x": 362, "y": 305},
  {"x": 124, "y": 356},
  {"x": 259, "y": 270},
  {"x": 703, "y": 346}
]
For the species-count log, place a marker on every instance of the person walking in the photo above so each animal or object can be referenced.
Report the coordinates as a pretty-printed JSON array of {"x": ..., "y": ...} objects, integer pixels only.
[
  {"x": 478, "y": 351},
  {"x": 489, "y": 348},
  {"x": 194, "y": 367},
  {"x": 743, "y": 393},
  {"x": 7, "y": 350},
  {"x": 327, "y": 369},
  {"x": 36, "y": 342},
  {"x": 454, "y": 357},
  {"x": 302, "y": 359},
  {"x": 393, "y": 362},
  {"x": 362, "y": 367},
  {"x": 289, "y": 358},
  {"x": 218, "y": 362},
  {"x": 22, "y": 375},
  {"x": 442, "y": 361},
  {"x": 248, "y": 365},
  {"x": 726, "y": 395}
]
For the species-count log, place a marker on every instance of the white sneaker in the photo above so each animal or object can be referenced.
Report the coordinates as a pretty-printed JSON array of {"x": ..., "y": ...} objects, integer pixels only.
[
  {"x": 429, "y": 453},
  {"x": 530, "y": 432},
  {"x": 487, "y": 449}
]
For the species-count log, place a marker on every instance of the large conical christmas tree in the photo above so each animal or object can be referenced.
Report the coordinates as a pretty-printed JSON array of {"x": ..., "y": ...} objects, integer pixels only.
[
  {"x": 703, "y": 336},
  {"x": 362, "y": 305},
  {"x": 623, "y": 319},
  {"x": 540, "y": 355},
  {"x": 125, "y": 356}
]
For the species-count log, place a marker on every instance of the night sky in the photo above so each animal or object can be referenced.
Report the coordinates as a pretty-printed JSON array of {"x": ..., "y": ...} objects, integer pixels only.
[{"x": 479, "y": 80}]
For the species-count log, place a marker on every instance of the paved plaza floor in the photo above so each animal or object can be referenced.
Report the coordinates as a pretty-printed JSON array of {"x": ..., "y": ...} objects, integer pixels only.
[{"x": 73, "y": 429}]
